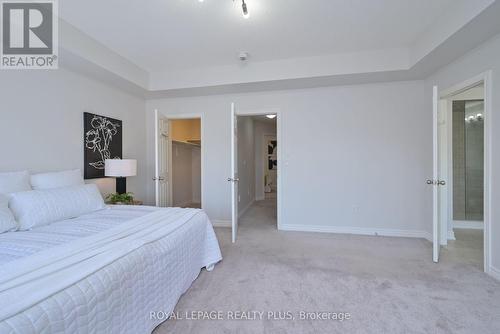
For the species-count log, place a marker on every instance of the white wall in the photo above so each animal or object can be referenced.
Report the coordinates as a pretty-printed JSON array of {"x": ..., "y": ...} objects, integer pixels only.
[
  {"x": 484, "y": 58},
  {"x": 355, "y": 157},
  {"x": 246, "y": 163},
  {"x": 41, "y": 122},
  {"x": 261, "y": 129}
]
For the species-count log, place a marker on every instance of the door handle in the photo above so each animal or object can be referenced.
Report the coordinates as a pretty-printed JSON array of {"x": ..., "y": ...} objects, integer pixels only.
[
  {"x": 437, "y": 183},
  {"x": 233, "y": 180},
  {"x": 158, "y": 179}
]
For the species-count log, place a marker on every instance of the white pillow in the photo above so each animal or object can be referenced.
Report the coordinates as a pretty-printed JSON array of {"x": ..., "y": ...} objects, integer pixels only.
[
  {"x": 66, "y": 178},
  {"x": 42, "y": 207},
  {"x": 14, "y": 182},
  {"x": 7, "y": 221}
]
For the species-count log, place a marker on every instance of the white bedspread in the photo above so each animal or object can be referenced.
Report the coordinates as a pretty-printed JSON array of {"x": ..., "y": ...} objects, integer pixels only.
[{"x": 81, "y": 276}]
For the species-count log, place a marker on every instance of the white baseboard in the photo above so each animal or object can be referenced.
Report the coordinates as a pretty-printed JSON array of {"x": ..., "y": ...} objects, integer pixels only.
[
  {"x": 221, "y": 223},
  {"x": 242, "y": 212},
  {"x": 494, "y": 272},
  {"x": 358, "y": 230},
  {"x": 473, "y": 225}
]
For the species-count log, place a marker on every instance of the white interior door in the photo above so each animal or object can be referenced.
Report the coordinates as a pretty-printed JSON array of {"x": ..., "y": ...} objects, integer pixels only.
[
  {"x": 162, "y": 175},
  {"x": 443, "y": 135},
  {"x": 435, "y": 182},
  {"x": 234, "y": 179}
]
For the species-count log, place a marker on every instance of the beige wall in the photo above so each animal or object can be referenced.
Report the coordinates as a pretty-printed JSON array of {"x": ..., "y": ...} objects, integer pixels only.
[
  {"x": 186, "y": 174},
  {"x": 186, "y": 162},
  {"x": 186, "y": 129}
]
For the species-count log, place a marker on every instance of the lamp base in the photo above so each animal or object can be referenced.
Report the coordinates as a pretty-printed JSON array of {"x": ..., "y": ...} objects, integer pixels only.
[{"x": 121, "y": 185}]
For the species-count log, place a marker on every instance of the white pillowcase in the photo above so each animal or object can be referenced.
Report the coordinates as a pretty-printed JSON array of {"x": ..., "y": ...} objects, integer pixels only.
[
  {"x": 7, "y": 221},
  {"x": 66, "y": 178},
  {"x": 14, "y": 182},
  {"x": 42, "y": 207}
]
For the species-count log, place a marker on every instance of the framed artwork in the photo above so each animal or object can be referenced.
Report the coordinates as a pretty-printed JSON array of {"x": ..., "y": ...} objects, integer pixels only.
[
  {"x": 272, "y": 160},
  {"x": 102, "y": 138}
]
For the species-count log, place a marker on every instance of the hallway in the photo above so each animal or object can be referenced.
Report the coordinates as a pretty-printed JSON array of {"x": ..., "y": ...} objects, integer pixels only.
[{"x": 262, "y": 214}]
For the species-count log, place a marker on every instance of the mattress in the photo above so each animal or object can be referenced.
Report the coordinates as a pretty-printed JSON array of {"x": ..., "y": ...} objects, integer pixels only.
[
  {"x": 119, "y": 297},
  {"x": 20, "y": 244}
]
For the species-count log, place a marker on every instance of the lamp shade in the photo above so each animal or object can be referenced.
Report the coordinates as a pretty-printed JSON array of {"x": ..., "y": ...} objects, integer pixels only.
[{"x": 120, "y": 167}]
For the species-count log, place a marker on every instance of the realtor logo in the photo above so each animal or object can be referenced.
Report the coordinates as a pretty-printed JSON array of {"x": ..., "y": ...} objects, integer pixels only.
[{"x": 29, "y": 34}]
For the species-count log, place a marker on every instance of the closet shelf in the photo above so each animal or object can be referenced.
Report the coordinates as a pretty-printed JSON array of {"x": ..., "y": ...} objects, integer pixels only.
[{"x": 193, "y": 143}]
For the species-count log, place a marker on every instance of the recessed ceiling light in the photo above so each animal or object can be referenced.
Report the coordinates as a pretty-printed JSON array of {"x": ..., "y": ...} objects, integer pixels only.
[{"x": 271, "y": 116}]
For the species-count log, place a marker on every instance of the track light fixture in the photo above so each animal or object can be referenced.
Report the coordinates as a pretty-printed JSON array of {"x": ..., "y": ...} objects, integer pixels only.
[{"x": 244, "y": 7}]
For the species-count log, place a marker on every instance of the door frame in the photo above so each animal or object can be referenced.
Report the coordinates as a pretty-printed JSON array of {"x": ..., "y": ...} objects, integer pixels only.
[
  {"x": 177, "y": 116},
  {"x": 486, "y": 79},
  {"x": 279, "y": 138}
]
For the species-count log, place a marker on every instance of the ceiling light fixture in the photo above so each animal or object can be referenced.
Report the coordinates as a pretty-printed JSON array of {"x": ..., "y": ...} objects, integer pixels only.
[
  {"x": 246, "y": 13},
  {"x": 271, "y": 116}
]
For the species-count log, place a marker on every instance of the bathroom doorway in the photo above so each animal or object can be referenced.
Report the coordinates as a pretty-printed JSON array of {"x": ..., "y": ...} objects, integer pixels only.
[{"x": 463, "y": 145}]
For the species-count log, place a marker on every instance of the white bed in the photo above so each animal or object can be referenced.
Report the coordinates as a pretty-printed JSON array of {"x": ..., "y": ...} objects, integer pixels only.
[{"x": 103, "y": 272}]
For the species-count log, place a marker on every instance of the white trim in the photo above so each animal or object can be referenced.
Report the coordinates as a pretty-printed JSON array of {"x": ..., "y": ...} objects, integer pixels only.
[
  {"x": 221, "y": 223},
  {"x": 468, "y": 224},
  {"x": 486, "y": 78},
  {"x": 279, "y": 137},
  {"x": 436, "y": 240},
  {"x": 449, "y": 144},
  {"x": 242, "y": 212},
  {"x": 464, "y": 85},
  {"x": 234, "y": 178},
  {"x": 494, "y": 272},
  {"x": 443, "y": 153},
  {"x": 157, "y": 183},
  {"x": 359, "y": 231}
]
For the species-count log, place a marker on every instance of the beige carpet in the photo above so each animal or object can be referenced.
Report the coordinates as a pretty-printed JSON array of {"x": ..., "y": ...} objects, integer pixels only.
[{"x": 387, "y": 285}]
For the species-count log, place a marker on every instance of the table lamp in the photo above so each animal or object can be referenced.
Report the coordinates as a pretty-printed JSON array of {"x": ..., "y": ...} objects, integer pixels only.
[{"x": 120, "y": 169}]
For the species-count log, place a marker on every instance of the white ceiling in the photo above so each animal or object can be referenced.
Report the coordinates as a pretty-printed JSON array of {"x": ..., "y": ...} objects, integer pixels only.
[{"x": 163, "y": 35}]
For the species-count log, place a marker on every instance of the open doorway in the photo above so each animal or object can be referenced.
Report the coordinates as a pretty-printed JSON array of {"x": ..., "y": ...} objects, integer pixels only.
[
  {"x": 257, "y": 160},
  {"x": 463, "y": 162},
  {"x": 185, "y": 160}
]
